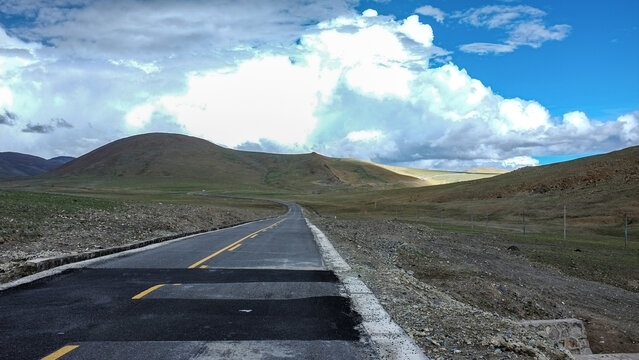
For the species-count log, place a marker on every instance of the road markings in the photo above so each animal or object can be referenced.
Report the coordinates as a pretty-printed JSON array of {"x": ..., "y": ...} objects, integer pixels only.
[
  {"x": 235, "y": 247},
  {"x": 60, "y": 352},
  {"x": 232, "y": 245},
  {"x": 146, "y": 292},
  {"x": 203, "y": 267},
  {"x": 253, "y": 237}
]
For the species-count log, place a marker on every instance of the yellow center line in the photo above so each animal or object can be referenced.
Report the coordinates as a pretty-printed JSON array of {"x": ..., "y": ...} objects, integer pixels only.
[
  {"x": 203, "y": 267},
  {"x": 146, "y": 292},
  {"x": 235, "y": 247},
  {"x": 60, "y": 352},
  {"x": 253, "y": 237},
  {"x": 230, "y": 246}
]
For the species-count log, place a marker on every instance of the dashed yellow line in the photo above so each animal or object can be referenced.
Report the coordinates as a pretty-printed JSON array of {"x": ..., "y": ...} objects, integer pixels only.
[
  {"x": 235, "y": 247},
  {"x": 147, "y": 291},
  {"x": 61, "y": 352},
  {"x": 232, "y": 245}
]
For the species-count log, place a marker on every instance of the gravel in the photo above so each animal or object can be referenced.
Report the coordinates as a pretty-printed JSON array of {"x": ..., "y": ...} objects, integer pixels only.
[{"x": 462, "y": 296}]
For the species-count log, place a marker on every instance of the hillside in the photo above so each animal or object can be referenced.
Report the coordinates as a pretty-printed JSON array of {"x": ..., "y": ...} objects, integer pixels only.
[
  {"x": 438, "y": 177},
  {"x": 21, "y": 165},
  {"x": 614, "y": 171},
  {"x": 179, "y": 160},
  {"x": 597, "y": 191}
]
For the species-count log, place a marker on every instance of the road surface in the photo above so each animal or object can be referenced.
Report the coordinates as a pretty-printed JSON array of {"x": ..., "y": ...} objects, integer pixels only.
[{"x": 259, "y": 290}]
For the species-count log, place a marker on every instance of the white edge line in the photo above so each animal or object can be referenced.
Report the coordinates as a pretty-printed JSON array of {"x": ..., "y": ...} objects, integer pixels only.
[{"x": 387, "y": 338}]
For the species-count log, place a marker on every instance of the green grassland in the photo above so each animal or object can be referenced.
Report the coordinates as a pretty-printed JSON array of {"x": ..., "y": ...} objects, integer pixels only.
[{"x": 21, "y": 211}]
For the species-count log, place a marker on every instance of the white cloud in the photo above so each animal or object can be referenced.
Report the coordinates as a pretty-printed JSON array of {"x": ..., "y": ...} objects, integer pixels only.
[
  {"x": 534, "y": 34},
  {"x": 421, "y": 33},
  {"x": 369, "y": 13},
  {"x": 271, "y": 79},
  {"x": 487, "y": 48},
  {"x": 517, "y": 114},
  {"x": 428, "y": 10},
  {"x": 363, "y": 135},
  {"x": 630, "y": 127},
  {"x": 577, "y": 122},
  {"x": 494, "y": 16},
  {"x": 147, "y": 68},
  {"x": 266, "y": 97},
  {"x": 518, "y": 161},
  {"x": 523, "y": 24},
  {"x": 139, "y": 115}
]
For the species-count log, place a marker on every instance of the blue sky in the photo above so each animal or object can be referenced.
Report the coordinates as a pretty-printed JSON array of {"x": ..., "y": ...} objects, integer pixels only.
[
  {"x": 593, "y": 69},
  {"x": 433, "y": 84}
]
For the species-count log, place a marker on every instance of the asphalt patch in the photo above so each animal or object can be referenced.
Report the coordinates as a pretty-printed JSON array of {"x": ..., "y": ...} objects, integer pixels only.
[{"x": 95, "y": 305}]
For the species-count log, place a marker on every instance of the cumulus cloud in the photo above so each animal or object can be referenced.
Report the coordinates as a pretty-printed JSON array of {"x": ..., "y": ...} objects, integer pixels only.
[
  {"x": 434, "y": 12},
  {"x": 291, "y": 77},
  {"x": 523, "y": 24}
]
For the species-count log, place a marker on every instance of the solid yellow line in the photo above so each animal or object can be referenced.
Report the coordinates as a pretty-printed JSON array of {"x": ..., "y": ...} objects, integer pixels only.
[
  {"x": 235, "y": 247},
  {"x": 146, "y": 292},
  {"x": 60, "y": 352},
  {"x": 228, "y": 247},
  {"x": 203, "y": 267},
  {"x": 253, "y": 237}
]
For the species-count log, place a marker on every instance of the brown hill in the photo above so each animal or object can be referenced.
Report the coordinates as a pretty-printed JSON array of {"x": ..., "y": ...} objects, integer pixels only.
[
  {"x": 615, "y": 171},
  {"x": 185, "y": 160}
]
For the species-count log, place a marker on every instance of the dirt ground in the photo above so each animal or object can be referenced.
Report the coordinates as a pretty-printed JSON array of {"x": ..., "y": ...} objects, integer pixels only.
[
  {"x": 459, "y": 296},
  {"x": 88, "y": 230}
]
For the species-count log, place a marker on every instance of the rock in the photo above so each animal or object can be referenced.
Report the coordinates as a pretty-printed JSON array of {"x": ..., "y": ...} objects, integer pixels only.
[{"x": 513, "y": 248}]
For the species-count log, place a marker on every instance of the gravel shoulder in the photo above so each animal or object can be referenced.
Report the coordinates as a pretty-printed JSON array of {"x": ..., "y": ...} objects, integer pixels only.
[{"x": 461, "y": 296}]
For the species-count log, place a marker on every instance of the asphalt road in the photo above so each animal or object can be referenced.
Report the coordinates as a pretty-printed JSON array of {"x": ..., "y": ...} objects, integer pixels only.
[{"x": 259, "y": 290}]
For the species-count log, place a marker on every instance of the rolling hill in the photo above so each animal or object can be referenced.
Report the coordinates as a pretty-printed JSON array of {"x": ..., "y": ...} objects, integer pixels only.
[
  {"x": 615, "y": 171},
  {"x": 597, "y": 191},
  {"x": 14, "y": 164},
  {"x": 180, "y": 160}
]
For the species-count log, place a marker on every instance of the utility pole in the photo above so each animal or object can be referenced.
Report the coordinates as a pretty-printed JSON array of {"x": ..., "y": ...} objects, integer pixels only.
[
  {"x": 625, "y": 220},
  {"x": 472, "y": 224},
  {"x": 564, "y": 224},
  {"x": 523, "y": 221}
]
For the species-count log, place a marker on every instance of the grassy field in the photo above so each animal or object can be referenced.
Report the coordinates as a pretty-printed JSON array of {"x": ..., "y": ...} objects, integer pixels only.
[
  {"x": 595, "y": 247},
  {"x": 22, "y": 211}
]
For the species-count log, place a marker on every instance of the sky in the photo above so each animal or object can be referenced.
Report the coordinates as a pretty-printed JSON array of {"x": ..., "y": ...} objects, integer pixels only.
[{"x": 448, "y": 85}]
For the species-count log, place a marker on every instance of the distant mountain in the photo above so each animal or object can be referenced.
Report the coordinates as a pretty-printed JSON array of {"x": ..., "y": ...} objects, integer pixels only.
[
  {"x": 175, "y": 160},
  {"x": 20, "y": 165}
]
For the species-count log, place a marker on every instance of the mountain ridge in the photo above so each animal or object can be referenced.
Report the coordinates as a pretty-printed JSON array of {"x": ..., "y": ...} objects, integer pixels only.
[
  {"x": 175, "y": 156},
  {"x": 16, "y": 165}
]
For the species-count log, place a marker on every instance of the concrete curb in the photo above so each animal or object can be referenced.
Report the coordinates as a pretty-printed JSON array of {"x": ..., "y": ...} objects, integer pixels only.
[
  {"x": 387, "y": 338},
  {"x": 46, "y": 267}
]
